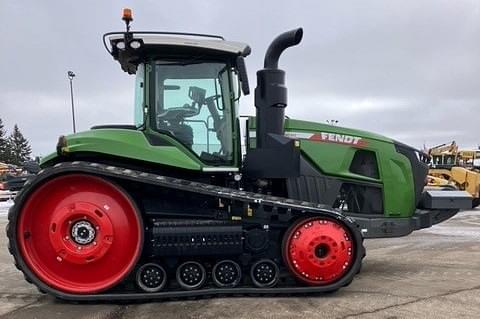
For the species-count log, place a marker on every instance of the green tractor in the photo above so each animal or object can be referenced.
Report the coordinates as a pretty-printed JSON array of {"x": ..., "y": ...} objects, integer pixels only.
[{"x": 177, "y": 206}]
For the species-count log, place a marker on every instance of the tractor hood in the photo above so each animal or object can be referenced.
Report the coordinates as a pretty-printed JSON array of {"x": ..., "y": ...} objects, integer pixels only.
[
  {"x": 319, "y": 132},
  {"x": 399, "y": 154}
]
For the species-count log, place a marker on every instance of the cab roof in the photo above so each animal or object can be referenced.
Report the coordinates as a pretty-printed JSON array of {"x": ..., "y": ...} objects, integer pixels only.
[{"x": 168, "y": 44}]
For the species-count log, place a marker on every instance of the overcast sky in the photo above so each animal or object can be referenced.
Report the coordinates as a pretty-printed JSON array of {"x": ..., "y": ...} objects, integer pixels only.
[{"x": 406, "y": 69}]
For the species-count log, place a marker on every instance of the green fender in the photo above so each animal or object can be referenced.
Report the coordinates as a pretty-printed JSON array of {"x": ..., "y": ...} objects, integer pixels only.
[{"x": 131, "y": 144}]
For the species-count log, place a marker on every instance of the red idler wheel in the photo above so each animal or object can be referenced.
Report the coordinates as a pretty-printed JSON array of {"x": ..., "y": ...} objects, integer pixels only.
[
  {"x": 318, "y": 251},
  {"x": 80, "y": 233}
]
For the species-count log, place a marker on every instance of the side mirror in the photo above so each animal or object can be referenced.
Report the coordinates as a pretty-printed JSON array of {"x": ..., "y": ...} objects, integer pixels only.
[{"x": 242, "y": 74}]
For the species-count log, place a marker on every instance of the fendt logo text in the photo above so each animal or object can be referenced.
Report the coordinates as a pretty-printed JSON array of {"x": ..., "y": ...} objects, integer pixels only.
[
  {"x": 337, "y": 138},
  {"x": 329, "y": 138}
]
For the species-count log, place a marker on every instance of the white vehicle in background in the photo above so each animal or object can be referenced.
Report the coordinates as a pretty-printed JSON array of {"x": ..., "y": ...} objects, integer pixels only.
[
  {"x": 5, "y": 192},
  {"x": 476, "y": 160},
  {"x": 13, "y": 177},
  {"x": 10, "y": 185}
]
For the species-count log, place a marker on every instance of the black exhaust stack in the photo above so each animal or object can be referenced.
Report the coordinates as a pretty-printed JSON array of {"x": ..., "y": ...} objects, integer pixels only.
[
  {"x": 271, "y": 92},
  {"x": 275, "y": 155}
]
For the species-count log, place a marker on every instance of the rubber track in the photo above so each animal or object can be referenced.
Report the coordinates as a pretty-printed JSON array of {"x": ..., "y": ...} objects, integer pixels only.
[{"x": 293, "y": 206}]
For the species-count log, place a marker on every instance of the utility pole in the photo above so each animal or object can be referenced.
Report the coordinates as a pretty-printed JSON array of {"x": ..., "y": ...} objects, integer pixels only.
[{"x": 71, "y": 75}]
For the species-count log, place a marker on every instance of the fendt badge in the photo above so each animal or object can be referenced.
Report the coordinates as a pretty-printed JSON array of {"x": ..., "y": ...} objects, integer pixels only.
[
  {"x": 329, "y": 138},
  {"x": 339, "y": 138}
]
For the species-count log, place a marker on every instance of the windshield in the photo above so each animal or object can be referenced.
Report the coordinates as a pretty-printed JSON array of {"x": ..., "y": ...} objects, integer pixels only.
[{"x": 193, "y": 104}]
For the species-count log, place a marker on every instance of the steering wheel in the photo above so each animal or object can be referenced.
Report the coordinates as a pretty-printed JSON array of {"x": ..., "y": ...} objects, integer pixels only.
[{"x": 178, "y": 113}]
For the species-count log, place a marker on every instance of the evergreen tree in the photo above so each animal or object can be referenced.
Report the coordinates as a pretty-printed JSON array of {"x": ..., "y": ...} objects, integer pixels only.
[
  {"x": 20, "y": 149},
  {"x": 4, "y": 144}
]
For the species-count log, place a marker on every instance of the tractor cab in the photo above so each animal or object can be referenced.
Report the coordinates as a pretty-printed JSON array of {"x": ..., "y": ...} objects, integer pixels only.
[{"x": 187, "y": 87}]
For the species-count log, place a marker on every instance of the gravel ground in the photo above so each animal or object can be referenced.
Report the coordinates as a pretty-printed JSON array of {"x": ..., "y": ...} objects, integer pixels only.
[{"x": 433, "y": 273}]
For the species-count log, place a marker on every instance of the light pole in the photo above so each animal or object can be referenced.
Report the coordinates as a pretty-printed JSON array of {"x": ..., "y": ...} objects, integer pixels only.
[{"x": 71, "y": 75}]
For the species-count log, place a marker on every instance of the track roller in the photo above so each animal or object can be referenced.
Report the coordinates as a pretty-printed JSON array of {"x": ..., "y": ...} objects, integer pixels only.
[
  {"x": 151, "y": 277},
  {"x": 264, "y": 273},
  {"x": 226, "y": 273},
  {"x": 191, "y": 275}
]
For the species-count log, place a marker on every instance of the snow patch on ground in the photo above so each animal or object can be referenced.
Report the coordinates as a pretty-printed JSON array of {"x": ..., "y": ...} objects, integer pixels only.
[
  {"x": 467, "y": 233},
  {"x": 4, "y": 206},
  {"x": 468, "y": 229},
  {"x": 468, "y": 213}
]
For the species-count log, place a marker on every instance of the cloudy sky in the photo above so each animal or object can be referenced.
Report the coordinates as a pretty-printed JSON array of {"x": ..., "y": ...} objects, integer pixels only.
[{"x": 406, "y": 69}]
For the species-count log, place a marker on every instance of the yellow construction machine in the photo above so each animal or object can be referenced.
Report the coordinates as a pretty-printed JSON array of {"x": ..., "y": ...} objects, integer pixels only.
[{"x": 451, "y": 167}]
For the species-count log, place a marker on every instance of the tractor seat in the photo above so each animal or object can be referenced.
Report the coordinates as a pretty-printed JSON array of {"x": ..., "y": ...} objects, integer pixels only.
[{"x": 183, "y": 133}]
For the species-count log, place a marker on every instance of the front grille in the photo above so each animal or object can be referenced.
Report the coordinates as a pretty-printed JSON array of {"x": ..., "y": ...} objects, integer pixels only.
[{"x": 419, "y": 162}]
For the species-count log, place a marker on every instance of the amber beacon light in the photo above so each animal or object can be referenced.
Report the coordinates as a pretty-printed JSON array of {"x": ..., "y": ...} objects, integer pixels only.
[{"x": 127, "y": 15}]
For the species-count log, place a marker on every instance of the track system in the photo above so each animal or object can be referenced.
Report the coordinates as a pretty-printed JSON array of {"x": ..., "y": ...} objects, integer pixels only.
[{"x": 78, "y": 234}]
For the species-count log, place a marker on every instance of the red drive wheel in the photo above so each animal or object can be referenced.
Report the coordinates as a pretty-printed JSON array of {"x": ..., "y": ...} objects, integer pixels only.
[
  {"x": 79, "y": 233},
  {"x": 318, "y": 251}
]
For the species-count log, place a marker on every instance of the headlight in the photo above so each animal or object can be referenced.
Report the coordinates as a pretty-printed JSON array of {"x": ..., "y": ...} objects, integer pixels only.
[
  {"x": 135, "y": 44},
  {"x": 120, "y": 45}
]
